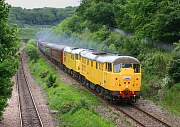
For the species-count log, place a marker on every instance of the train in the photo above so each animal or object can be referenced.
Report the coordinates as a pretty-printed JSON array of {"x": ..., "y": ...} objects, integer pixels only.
[{"x": 116, "y": 77}]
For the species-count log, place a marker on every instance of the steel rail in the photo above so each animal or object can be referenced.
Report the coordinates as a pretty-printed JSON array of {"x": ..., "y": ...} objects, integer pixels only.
[
  {"x": 34, "y": 104},
  {"x": 151, "y": 116}
]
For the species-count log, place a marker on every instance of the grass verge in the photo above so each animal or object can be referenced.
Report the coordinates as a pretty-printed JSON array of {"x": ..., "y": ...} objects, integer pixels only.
[{"x": 171, "y": 99}]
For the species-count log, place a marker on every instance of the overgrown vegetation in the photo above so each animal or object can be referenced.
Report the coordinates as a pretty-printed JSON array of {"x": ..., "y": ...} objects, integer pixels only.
[
  {"x": 145, "y": 20},
  {"x": 32, "y": 51},
  {"x": 9, "y": 45},
  {"x": 30, "y": 31},
  {"x": 171, "y": 99},
  {"x": 75, "y": 105}
]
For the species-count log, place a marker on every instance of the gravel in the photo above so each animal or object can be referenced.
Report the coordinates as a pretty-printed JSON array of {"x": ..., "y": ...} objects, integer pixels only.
[
  {"x": 11, "y": 113},
  {"x": 159, "y": 112}
]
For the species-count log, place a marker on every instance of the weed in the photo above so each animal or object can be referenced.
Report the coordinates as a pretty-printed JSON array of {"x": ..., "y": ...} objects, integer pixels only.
[
  {"x": 81, "y": 104},
  {"x": 51, "y": 81},
  {"x": 44, "y": 74},
  {"x": 66, "y": 107}
]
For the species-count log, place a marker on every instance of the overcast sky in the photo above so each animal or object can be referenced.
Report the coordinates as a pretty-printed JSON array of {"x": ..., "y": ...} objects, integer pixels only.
[{"x": 43, "y": 3}]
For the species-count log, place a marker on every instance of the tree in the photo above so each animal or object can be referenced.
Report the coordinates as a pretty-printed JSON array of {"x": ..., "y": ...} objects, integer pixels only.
[
  {"x": 8, "y": 59},
  {"x": 39, "y": 16},
  {"x": 153, "y": 19},
  {"x": 101, "y": 13}
]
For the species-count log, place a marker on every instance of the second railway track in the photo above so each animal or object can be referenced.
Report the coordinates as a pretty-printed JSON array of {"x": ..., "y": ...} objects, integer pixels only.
[
  {"x": 142, "y": 117},
  {"x": 28, "y": 111}
]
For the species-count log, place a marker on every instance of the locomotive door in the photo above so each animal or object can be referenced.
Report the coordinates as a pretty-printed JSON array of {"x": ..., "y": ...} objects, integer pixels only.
[{"x": 105, "y": 78}]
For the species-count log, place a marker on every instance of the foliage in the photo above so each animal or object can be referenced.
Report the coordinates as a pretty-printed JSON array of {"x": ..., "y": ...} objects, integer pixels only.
[
  {"x": 30, "y": 32},
  {"x": 177, "y": 48},
  {"x": 101, "y": 35},
  {"x": 174, "y": 68},
  {"x": 75, "y": 24},
  {"x": 125, "y": 44},
  {"x": 171, "y": 99},
  {"x": 43, "y": 74},
  {"x": 32, "y": 51},
  {"x": 157, "y": 20},
  {"x": 100, "y": 13},
  {"x": 155, "y": 63},
  {"x": 51, "y": 81},
  {"x": 39, "y": 16},
  {"x": 9, "y": 45},
  {"x": 84, "y": 117}
]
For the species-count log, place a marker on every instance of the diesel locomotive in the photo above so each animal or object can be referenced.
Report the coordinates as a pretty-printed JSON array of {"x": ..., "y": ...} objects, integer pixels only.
[{"x": 116, "y": 77}]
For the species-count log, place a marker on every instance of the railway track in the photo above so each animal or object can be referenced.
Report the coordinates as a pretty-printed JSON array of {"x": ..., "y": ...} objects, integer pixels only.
[
  {"x": 140, "y": 116},
  {"x": 162, "y": 123},
  {"x": 29, "y": 115}
]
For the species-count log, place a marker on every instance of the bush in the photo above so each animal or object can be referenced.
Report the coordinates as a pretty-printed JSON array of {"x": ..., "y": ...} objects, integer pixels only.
[
  {"x": 174, "y": 68},
  {"x": 171, "y": 99},
  {"x": 32, "y": 51},
  {"x": 81, "y": 104},
  {"x": 51, "y": 81},
  {"x": 44, "y": 74},
  {"x": 155, "y": 63},
  {"x": 66, "y": 107}
]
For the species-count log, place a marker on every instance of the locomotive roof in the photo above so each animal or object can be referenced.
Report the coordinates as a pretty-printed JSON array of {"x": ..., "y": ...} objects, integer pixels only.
[
  {"x": 117, "y": 59},
  {"x": 69, "y": 49},
  {"x": 59, "y": 47},
  {"x": 85, "y": 52},
  {"x": 109, "y": 58},
  {"x": 77, "y": 51},
  {"x": 49, "y": 44},
  {"x": 92, "y": 54},
  {"x": 43, "y": 42}
]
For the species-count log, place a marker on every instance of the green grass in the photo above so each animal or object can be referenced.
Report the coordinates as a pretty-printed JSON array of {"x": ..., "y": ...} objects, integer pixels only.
[
  {"x": 85, "y": 118},
  {"x": 171, "y": 99},
  {"x": 30, "y": 32},
  {"x": 74, "y": 104}
]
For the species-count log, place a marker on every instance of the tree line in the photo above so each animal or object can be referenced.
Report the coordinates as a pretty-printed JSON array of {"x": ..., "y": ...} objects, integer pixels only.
[
  {"x": 158, "y": 20},
  {"x": 39, "y": 16}
]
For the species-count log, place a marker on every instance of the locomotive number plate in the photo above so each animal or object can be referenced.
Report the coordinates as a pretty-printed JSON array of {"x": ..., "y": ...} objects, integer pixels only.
[{"x": 127, "y": 77}]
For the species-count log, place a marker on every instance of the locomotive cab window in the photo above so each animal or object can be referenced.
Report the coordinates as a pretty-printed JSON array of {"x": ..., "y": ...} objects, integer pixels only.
[
  {"x": 116, "y": 68},
  {"x": 126, "y": 65},
  {"x": 87, "y": 62},
  {"x": 76, "y": 56},
  {"x": 96, "y": 65},
  {"x": 109, "y": 67},
  {"x": 91, "y": 63},
  {"x": 136, "y": 68}
]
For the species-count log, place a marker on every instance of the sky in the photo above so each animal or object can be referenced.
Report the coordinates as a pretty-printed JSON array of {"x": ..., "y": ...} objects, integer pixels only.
[{"x": 29, "y": 4}]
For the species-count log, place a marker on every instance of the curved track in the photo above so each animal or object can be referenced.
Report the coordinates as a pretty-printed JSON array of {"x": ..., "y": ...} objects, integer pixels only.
[
  {"x": 141, "y": 116},
  {"x": 28, "y": 111}
]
